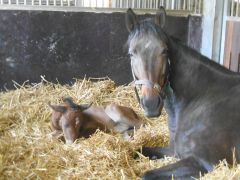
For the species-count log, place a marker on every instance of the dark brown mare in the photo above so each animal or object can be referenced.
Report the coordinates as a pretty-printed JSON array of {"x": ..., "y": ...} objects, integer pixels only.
[{"x": 201, "y": 97}]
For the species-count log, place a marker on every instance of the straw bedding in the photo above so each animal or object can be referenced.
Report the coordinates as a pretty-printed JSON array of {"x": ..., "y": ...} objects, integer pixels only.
[{"x": 27, "y": 150}]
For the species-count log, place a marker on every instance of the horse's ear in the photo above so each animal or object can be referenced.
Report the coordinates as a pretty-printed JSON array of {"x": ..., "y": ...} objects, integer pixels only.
[
  {"x": 131, "y": 20},
  {"x": 57, "y": 108},
  {"x": 160, "y": 17},
  {"x": 84, "y": 106}
]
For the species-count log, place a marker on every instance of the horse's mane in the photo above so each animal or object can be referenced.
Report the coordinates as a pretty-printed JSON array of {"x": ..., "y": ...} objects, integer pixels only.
[
  {"x": 147, "y": 26},
  {"x": 203, "y": 60}
]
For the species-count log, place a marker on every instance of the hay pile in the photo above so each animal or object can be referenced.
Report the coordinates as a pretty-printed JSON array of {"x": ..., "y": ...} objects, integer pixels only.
[{"x": 27, "y": 151}]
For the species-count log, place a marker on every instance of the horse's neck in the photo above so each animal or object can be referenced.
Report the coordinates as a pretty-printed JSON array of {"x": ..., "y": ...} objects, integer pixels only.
[{"x": 192, "y": 75}]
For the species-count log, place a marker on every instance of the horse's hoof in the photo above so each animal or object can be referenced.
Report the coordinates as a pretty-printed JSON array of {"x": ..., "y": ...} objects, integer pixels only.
[
  {"x": 145, "y": 151},
  {"x": 149, "y": 175}
]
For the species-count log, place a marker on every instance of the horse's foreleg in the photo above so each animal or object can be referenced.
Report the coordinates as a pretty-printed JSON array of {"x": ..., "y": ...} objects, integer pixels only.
[
  {"x": 157, "y": 152},
  {"x": 184, "y": 169}
]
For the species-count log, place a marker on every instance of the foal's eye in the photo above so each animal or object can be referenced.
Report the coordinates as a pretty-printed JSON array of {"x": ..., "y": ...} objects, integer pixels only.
[{"x": 77, "y": 121}]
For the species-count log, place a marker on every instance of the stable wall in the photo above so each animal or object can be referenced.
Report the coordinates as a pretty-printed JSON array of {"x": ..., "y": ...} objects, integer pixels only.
[{"x": 67, "y": 45}]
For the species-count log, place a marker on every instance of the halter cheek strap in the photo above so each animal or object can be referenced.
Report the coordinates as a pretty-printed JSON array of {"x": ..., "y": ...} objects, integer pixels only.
[{"x": 149, "y": 84}]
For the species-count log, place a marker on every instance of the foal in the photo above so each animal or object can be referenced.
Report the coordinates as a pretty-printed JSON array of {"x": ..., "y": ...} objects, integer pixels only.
[{"x": 83, "y": 120}]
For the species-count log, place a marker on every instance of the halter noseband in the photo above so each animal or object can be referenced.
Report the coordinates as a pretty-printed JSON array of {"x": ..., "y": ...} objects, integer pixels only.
[{"x": 150, "y": 84}]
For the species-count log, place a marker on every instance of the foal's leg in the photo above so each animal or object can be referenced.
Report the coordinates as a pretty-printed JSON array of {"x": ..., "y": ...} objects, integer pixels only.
[
  {"x": 184, "y": 169},
  {"x": 120, "y": 117}
]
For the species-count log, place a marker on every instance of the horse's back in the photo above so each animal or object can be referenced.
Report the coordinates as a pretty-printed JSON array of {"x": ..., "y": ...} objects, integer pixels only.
[{"x": 96, "y": 116}]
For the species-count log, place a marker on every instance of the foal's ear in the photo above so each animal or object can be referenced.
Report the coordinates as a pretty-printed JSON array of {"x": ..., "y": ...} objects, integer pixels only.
[
  {"x": 84, "y": 106},
  {"x": 57, "y": 108},
  {"x": 131, "y": 20},
  {"x": 160, "y": 17}
]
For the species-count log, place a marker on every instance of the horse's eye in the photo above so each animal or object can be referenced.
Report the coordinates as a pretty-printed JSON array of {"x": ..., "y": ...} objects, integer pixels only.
[
  {"x": 164, "y": 52},
  {"x": 130, "y": 55}
]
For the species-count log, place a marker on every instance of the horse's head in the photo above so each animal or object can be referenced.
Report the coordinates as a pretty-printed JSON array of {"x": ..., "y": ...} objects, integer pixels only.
[
  {"x": 149, "y": 61},
  {"x": 69, "y": 117}
]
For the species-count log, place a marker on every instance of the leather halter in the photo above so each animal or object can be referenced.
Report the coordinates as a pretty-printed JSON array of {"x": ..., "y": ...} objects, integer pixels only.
[{"x": 150, "y": 84}]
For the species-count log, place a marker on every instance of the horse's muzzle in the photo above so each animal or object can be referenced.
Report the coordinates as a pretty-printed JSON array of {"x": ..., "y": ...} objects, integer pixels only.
[{"x": 152, "y": 105}]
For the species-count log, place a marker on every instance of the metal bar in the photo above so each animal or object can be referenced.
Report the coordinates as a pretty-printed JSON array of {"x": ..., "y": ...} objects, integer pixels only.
[
  {"x": 167, "y": 4},
  {"x": 172, "y": 4},
  {"x": 199, "y": 6},
  {"x": 232, "y": 7},
  {"x": 237, "y": 8},
  {"x": 114, "y": 3},
  {"x": 184, "y": 4},
  {"x": 195, "y": 6}
]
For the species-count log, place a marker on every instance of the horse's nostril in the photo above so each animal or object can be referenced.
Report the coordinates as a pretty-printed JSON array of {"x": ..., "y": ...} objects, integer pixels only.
[
  {"x": 152, "y": 105},
  {"x": 150, "y": 102}
]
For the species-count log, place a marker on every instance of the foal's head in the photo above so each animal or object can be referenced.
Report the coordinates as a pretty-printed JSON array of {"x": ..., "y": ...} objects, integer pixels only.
[
  {"x": 68, "y": 116},
  {"x": 149, "y": 62}
]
